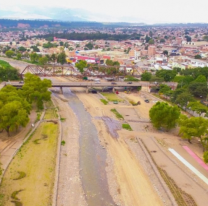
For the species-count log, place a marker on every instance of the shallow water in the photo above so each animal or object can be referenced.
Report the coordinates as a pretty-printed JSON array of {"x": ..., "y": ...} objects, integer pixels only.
[{"x": 92, "y": 156}]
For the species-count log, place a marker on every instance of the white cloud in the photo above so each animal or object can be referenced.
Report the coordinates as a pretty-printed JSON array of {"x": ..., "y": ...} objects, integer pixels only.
[{"x": 140, "y": 10}]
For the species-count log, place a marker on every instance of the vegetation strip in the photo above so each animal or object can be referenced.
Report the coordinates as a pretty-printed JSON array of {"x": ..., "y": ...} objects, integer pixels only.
[
  {"x": 118, "y": 115},
  {"x": 42, "y": 166},
  {"x": 127, "y": 127}
]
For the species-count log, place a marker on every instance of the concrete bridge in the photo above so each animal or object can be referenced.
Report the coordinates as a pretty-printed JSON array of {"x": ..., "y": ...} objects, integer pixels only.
[{"x": 88, "y": 85}]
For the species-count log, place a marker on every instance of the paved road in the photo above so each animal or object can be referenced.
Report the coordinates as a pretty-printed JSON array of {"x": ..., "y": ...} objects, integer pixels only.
[{"x": 97, "y": 84}]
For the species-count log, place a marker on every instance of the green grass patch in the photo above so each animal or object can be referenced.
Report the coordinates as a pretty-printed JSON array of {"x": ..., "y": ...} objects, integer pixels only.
[
  {"x": 118, "y": 115},
  {"x": 38, "y": 162},
  {"x": 127, "y": 127},
  {"x": 62, "y": 119},
  {"x": 16, "y": 203},
  {"x": 51, "y": 111},
  {"x": 21, "y": 175},
  {"x": 112, "y": 97},
  {"x": 63, "y": 142},
  {"x": 15, "y": 193},
  {"x": 104, "y": 101},
  {"x": 5, "y": 64}
]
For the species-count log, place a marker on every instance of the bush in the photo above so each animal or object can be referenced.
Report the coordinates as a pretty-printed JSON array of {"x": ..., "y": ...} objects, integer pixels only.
[
  {"x": 118, "y": 115},
  {"x": 127, "y": 127},
  {"x": 21, "y": 175},
  {"x": 104, "y": 101},
  {"x": 63, "y": 142}
]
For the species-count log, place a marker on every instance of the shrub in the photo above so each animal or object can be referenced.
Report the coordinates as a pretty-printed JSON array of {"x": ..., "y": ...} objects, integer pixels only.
[
  {"x": 63, "y": 142},
  {"x": 127, "y": 127},
  {"x": 118, "y": 115},
  {"x": 104, "y": 101},
  {"x": 21, "y": 175}
]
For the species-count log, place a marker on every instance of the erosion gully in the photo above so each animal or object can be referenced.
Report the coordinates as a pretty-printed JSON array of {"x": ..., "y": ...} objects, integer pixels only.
[{"x": 92, "y": 156}]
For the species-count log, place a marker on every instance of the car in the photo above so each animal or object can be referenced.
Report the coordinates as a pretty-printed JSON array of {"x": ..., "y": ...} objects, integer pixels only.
[
  {"x": 115, "y": 102},
  {"x": 113, "y": 83},
  {"x": 129, "y": 82},
  {"x": 146, "y": 100},
  {"x": 97, "y": 82},
  {"x": 94, "y": 91},
  {"x": 21, "y": 82}
]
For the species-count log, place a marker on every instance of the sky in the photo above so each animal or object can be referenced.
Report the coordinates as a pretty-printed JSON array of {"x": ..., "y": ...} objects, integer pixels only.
[{"x": 145, "y": 11}]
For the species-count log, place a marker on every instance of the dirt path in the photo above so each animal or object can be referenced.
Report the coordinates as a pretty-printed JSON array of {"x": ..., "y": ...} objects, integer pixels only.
[
  {"x": 8, "y": 145},
  {"x": 134, "y": 186},
  {"x": 70, "y": 191}
]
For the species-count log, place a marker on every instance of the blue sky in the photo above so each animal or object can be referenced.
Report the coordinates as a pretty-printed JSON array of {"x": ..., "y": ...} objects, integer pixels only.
[{"x": 147, "y": 11}]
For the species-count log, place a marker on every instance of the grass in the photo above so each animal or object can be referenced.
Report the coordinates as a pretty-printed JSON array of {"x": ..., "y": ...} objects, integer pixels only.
[
  {"x": 104, "y": 101},
  {"x": 62, "y": 119},
  {"x": 51, "y": 111},
  {"x": 21, "y": 175},
  {"x": 127, "y": 127},
  {"x": 63, "y": 142},
  {"x": 38, "y": 162},
  {"x": 5, "y": 64},
  {"x": 118, "y": 115},
  {"x": 112, "y": 97}
]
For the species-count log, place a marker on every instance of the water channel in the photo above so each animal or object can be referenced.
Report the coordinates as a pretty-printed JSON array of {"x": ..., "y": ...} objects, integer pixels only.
[{"x": 92, "y": 156}]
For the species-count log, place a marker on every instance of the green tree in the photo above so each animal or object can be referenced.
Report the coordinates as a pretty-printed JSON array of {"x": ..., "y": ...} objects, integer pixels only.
[
  {"x": 89, "y": 46},
  {"x": 205, "y": 157},
  {"x": 22, "y": 49},
  {"x": 146, "y": 76},
  {"x": 19, "y": 56},
  {"x": 197, "y": 56},
  {"x": 167, "y": 75},
  {"x": 9, "y": 53},
  {"x": 61, "y": 58},
  {"x": 36, "y": 90},
  {"x": 34, "y": 57},
  {"x": 194, "y": 127},
  {"x": 198, "y": 89},
  {"x": 151, "y": 41},
  {"x": 43, "y": 60},
  {"x": 13, "y": 115},
  {"x": 184, "y": 98},
  {"x": 53, "y": 57},
  {"x": 165, "y": 89},
  {"x": 162, "y": 40},
  {"x": 164, "y": 116},
  {"x": 81, "y": 65},
  {"x": 198, "y": 107},
  {"x": 165, "y": 52}
]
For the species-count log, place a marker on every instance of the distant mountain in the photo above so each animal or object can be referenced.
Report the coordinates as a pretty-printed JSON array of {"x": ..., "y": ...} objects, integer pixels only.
[{"x": 64, "y": 14}]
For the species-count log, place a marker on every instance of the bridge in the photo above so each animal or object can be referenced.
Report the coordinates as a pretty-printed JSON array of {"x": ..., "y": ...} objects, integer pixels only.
[
  {"x": 69, "y": 70},
  {"x": 88, "y": 85}
]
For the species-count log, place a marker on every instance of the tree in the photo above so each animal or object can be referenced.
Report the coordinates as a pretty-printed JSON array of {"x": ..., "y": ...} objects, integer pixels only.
[
  {"x": 13, "y": 115},
  {"x": 184, "y": 98},
  {"x": 198, "y": 107},
  {"x": 151, "y": 41},
  {"x": 146, "y": 76},
  {"x": 53, "y": 58},
  {"x": 34, "y": 57},
  {"x": 165, "y": 52},
  {"x": 194, "y": 127},
  {"x": 61, "y": 43},
  {"x": 200, "y": 79},
  {"x": 162, "y": 40},
  {"x": 36, "y": 90},
  {"x": 61, "y": 58},
  {"x": 167, "y": 75},
  {"x": 81, "y": 65},
  {"x": 188, "y": 38},
  {"x": 198, "y": 89},
  {"x": 19, "y": 56},
  {"x": 165, "y": 89},
  {"x": 22, "y": 49},
  {"x": 164, "y": 116},
  {"x": 43, "y": 60},
  {"x": 205, "y": 157},
  {"x": 9, "y": 53},
  {"x": 198, "y": 56},
  {"x": 89, "y": 46}
]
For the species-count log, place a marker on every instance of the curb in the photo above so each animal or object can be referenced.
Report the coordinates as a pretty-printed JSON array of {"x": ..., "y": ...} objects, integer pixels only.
[{"x": 57, "y": 170}]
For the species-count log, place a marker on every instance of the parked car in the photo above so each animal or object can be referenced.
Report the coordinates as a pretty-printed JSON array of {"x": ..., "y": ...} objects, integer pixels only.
[
  {"x": 113, "y": 83},
  {"x": 94, "y": 91},
  {"x": 21, "y": 82},
  {"x": 146, "y": 100},
  {"x": 129, "y": 82}
]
